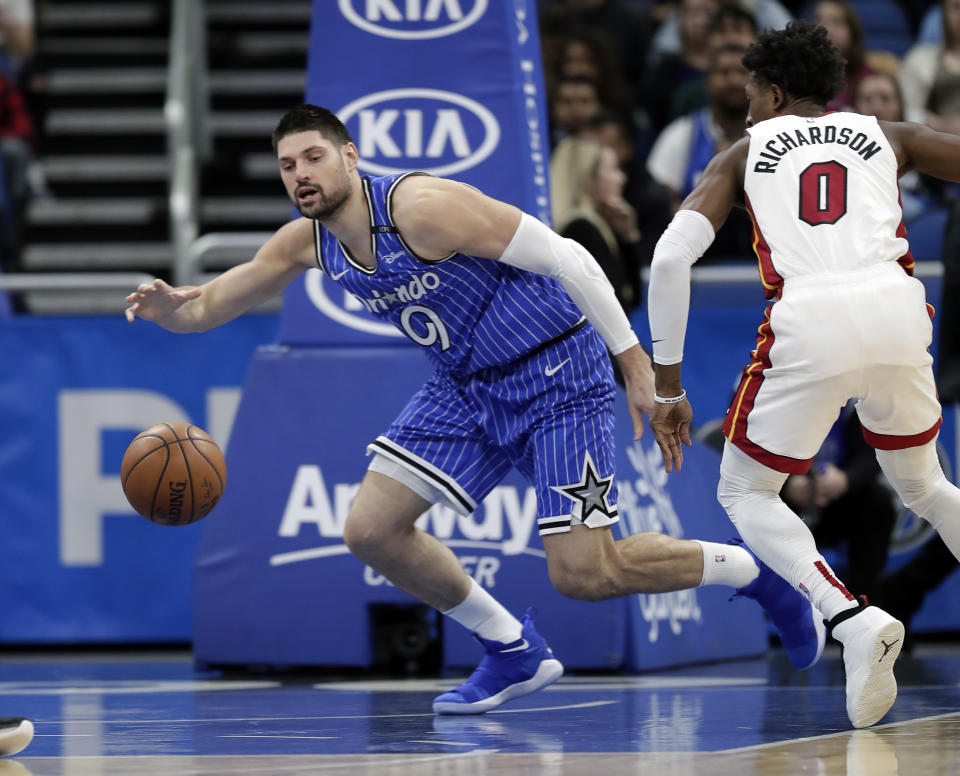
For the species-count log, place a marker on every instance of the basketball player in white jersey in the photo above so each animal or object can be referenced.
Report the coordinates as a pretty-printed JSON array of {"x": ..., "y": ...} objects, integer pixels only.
[{"x": 848, "y": 321}]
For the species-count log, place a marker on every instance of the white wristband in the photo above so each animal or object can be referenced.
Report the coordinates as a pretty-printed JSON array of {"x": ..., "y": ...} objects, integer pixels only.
[{"x": 670, "y": 399}]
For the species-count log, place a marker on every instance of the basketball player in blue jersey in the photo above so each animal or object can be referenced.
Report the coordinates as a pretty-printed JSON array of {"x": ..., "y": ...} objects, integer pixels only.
[
  {"x": 848, "y": 320},
  {"x": 515, "y": 320}
]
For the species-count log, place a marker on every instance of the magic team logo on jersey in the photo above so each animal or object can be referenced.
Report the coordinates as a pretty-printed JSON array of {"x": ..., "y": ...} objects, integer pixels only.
[
  {"x": 645, "y": 505},
  {"x": 435, "y": 131},
  {"x": 413, "y": 19}
]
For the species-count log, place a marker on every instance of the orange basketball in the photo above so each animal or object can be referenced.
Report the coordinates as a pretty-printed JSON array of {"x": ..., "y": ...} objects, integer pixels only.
[{"x": 173, "y": 473}]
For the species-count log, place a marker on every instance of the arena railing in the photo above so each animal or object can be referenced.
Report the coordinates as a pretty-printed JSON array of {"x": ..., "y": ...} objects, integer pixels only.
[{"x": 188, "y": 138}]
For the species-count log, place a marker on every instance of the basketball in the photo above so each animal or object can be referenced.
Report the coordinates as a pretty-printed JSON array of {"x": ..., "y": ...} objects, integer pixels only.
[{"x": 173, "y": 473}]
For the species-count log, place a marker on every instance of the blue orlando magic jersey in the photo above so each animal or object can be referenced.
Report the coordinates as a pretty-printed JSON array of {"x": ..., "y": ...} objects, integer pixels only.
[{"x": 469, "y": 313}]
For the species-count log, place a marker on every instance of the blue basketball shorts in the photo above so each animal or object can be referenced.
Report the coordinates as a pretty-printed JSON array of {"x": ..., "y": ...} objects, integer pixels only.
[{"x": 550, "y": 415}]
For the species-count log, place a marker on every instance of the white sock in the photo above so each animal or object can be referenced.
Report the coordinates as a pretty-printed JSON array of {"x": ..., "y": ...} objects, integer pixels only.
[
  {"x": 481, "y": 613},
  {"x": 727, "y": 564}
]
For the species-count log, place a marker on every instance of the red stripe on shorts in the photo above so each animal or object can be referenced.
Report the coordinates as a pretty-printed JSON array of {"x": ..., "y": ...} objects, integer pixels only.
[
  {"x": 894, "y": 442},
  {"x": 735, "y": 424},
  {"x": 906, "y": 261}
]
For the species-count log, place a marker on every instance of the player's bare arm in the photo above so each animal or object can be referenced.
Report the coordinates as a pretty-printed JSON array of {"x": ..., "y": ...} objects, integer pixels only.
[
  {"x": 920, "y": 148},
  {"x": 438, "y": 217},
  {"x": 199, "y": 308}
]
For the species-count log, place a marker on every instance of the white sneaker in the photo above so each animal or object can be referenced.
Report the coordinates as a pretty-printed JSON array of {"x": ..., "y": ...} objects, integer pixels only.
[
  {"x": 871, "y": 641},
  {"x": 15, "y": 734}
]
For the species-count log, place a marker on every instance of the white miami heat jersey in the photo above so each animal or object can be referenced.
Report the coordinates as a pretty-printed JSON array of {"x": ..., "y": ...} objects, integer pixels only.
[{"x": 823, "y": 196}]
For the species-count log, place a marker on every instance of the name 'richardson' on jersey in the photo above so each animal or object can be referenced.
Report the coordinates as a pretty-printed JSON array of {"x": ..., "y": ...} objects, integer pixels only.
[{"x": 785, "y": 142}]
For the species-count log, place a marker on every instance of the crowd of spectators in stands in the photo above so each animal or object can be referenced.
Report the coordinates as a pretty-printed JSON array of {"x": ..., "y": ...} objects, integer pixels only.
[
  {"x": 665, "y": 80},
  {"x": 643, "y": 93}
]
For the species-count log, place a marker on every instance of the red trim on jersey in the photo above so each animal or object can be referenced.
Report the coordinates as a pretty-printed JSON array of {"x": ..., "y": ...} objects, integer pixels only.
[
  {"x": 906, "y": 261},
  {"x": 833, "y": 580},
  {"x": 772, "y": 282},
  {"x": 735, "y": 424},
  {"x": 931, "y": 311},
  {"x": 893, "y": 442}
]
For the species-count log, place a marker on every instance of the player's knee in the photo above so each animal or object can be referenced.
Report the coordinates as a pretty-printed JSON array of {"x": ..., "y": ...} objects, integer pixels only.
[
  {"x": 729, "y": 495},
  {"x": 363, "y": 536}
]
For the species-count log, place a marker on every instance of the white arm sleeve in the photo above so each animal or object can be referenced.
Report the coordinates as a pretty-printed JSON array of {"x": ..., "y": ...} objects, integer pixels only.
[
  {"x": 683, "y": 242},
  {"x": 537, "y": 248}
]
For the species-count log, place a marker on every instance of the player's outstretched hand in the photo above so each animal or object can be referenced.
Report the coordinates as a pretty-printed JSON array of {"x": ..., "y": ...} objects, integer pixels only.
[
  {"x": 671, "y": 427},
  {"x": 155, "y": 301}
]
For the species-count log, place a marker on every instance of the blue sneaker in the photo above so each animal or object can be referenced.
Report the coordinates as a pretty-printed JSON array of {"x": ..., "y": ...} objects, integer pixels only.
[
  {"x": 506, "y": 672},
  {"x": 801, "y": 627}
]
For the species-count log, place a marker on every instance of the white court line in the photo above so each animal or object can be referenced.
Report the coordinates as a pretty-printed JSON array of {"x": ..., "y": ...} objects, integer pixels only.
[
  {"x": 437, "y": 741},
  {"x": 590, "y": 705},
  {"x": 264, "y": 735},
  {"x": 825, "y": 736},
  {"x": 133, "y": 687},
  {"x": 579, "y": 684}
]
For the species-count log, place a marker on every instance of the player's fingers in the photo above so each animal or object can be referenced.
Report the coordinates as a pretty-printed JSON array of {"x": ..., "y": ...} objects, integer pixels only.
[
  {"x": 678, "y": 457},
  {"x": 187, "y": 295},
  {"x": 131, "y": 311},
  {"x": 663, "y": 441},
  {"x": 637, "y": 417},
  {"x": 685, "y": 433}
]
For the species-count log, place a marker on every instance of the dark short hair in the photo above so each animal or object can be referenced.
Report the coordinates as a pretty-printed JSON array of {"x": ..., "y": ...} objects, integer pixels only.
[
  {"x": 304, "y": 118},
  {"x": 731, "y": 12},
  {"x": 800, "y": 59}
]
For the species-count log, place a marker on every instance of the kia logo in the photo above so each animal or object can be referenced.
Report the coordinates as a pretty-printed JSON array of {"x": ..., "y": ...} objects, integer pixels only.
[
  {"x": 412, "y": 19},
  {"x": 430, "y": 130}
]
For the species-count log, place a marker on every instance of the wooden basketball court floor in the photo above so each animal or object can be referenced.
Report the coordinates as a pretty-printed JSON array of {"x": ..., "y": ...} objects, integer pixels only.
[{"x": 155, "y": 714}]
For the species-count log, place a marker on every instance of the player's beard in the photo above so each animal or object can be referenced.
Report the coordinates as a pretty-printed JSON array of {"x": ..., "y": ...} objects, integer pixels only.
[{"x": 325, "y": 205}]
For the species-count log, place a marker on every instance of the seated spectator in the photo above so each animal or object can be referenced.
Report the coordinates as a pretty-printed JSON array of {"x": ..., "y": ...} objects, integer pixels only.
[
  {"x": 16, "y": 138},
  {"x": 673, "y": 69},
  {"x": 769, "y": 14},
  {"x": 845, "y": 31},
  {"x": 624, "y": 23},
  {"x": 574, "y": 100},
  {"x": 586, "y": 191},
  {"x": 878, "y": 94},
  {"x": 650, "y": 201},
  {"x": 930, "y": 76},
  {"x": 730, "y": 26},
  {"x": 844, "y": 501},
  {"x": 17, "y": 37},
  {"x": 590, "y": 55},
  {"x": 686, "y": 146}
]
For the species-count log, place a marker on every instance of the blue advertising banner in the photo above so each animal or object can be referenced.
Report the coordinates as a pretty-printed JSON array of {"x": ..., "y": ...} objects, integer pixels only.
[
  {"x": 78, "y": 564},
  {"x": 450, "y": 88},
  {"x": 273, "y": 574}
]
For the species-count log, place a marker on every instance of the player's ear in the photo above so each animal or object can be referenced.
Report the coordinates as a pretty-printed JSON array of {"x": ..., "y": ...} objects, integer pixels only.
[
  {"x": 779, "y": 97},
  {"x": 351, "y": 155}
]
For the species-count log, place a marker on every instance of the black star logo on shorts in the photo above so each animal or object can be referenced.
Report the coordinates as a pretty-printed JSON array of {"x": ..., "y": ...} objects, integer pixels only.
[{"x": 590, "y": 493}]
